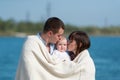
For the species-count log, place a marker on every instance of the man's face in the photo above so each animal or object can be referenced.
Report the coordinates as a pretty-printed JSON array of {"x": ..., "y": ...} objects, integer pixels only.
[{"x": 56, "y": 37}]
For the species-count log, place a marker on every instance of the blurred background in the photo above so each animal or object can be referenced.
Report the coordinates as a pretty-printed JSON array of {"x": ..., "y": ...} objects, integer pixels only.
[{"x": 100, "y": 19}]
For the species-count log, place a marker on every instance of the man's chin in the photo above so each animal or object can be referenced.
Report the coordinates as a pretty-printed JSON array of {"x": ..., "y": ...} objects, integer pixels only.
[{"x": 53, "y": 42}]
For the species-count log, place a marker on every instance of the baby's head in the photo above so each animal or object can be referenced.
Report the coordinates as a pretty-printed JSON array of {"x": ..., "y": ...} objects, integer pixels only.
[{"x": 61, "y": 45}]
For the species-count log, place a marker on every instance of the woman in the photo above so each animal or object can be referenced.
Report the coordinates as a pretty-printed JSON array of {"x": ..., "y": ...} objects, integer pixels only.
[{"x": 78, "y": 43}]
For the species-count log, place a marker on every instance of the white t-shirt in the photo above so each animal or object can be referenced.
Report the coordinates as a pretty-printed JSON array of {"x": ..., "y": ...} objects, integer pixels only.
[{"x": 63, "y": 56}]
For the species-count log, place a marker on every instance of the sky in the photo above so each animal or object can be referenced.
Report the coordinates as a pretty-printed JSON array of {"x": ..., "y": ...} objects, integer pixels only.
[{"x": 75, "y": 12}]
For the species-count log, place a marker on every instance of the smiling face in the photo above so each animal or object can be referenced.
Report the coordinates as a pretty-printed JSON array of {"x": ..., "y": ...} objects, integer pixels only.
[{"x": 62, "y": 45}]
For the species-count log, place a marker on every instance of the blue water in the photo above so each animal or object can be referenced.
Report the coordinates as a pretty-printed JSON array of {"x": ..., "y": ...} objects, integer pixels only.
[{"x": 105, "y": 52}]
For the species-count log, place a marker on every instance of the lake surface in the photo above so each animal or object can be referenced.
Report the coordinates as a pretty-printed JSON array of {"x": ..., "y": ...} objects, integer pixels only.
[{"x": 105, "y": 52}]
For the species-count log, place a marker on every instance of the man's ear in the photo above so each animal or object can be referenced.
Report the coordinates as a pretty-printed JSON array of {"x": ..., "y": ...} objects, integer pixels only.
[{"x": 49, "y": 33}]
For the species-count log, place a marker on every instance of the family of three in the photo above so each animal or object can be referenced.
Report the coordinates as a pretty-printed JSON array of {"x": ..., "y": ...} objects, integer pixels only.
[{"x": 49, "y": 56}]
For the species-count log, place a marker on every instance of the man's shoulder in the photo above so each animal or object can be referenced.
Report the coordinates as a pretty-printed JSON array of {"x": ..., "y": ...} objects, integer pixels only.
[{"x": 32, "y": 38}]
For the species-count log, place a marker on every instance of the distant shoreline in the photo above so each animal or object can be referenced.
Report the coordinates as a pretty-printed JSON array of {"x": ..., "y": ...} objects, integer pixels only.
[{"x": 23, "y": 35}]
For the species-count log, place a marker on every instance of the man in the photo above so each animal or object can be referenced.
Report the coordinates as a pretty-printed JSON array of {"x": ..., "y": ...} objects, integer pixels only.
[
  {"x": 52, "y": 32},
  {"x": 37, "y": 47}
]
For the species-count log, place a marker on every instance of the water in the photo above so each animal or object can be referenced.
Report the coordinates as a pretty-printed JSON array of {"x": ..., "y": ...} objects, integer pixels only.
[
  {"x": 10, "y": 49},
  {"x": 105, "y": 52}
]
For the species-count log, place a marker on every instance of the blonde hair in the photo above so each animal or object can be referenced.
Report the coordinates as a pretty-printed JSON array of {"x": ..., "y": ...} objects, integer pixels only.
[{"x": 62, "y": 38}]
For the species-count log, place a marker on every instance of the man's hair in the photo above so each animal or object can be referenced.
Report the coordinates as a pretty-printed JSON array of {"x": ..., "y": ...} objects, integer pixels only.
[{"x": 53, "y": 24}]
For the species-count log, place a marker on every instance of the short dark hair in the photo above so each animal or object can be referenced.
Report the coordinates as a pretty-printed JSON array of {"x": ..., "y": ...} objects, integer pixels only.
[
  {"x": 80, "y": 37},
  {"x": 53, "y": 24}
]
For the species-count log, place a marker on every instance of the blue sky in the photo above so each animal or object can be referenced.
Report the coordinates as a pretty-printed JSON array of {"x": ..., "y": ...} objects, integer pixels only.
[{"x": 76, "y": 12}]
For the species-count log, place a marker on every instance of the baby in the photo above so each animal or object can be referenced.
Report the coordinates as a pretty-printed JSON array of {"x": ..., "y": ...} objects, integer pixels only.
[{"x": 60, "y": 51}]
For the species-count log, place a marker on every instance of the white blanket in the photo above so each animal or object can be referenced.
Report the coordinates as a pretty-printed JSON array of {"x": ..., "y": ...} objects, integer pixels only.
[{"x": 37, "y": 64}]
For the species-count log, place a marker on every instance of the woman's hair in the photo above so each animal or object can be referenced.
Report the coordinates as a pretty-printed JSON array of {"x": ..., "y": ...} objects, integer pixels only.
[
  {"x": 53, "y": 24},
  {"x": 82, "y": 41}
]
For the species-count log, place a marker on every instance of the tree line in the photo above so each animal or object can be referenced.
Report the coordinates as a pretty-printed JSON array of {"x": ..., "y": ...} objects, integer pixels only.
[{"x": 11, "y": 27}]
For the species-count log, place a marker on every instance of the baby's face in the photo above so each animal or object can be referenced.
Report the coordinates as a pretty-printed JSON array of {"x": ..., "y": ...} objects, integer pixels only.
[{"x": 62, "y": 45}]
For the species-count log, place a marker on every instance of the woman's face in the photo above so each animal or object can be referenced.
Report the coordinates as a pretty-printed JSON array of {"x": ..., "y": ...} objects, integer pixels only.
[{"x": 72, "y": 46}]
